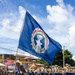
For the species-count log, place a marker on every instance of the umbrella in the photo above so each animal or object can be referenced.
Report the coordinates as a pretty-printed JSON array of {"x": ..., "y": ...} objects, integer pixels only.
[{"x": 2, "y": 65}]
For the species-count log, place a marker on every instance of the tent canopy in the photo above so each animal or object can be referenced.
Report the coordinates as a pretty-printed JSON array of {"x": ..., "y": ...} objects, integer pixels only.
[{"x": 2, "y": 65}]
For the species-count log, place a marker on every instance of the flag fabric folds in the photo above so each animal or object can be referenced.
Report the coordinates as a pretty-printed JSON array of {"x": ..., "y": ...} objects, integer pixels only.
[{"x": 35, "y": 41}]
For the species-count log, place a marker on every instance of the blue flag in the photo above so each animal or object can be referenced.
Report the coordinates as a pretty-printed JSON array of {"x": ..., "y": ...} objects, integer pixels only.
[{"x": 35, "y": 41}]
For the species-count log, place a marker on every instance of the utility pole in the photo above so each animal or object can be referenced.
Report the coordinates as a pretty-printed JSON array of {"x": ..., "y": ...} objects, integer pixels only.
[{"x": 63, "y": 56}]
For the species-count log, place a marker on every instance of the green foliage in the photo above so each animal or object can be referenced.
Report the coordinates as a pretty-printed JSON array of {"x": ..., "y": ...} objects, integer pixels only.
[
  {"x": 68, "y": 58},
  {"x": 67, "y": 54}
]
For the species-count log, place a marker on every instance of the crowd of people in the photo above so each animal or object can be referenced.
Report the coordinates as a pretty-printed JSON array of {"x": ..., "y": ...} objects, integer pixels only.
[{"x": 53, "y": 70}]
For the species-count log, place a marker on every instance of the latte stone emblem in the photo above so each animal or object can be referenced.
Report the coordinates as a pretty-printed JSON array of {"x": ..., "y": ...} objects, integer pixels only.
[{"x": 39, "y": 41}]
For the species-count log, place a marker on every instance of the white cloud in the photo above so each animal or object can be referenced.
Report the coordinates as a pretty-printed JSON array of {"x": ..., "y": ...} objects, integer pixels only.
[
  {"x": 72, "y": 36},
  {"x": 10, "y": 27},
  {"x": 13, "y": 24},
  {"x": 61, "y": 3},
  {"x": 5, "y": 23},
  {"x": 57, "y": 14},
  {"x": 22, "y": 12},
  {"x": 62, "y": 17},
  {"x": 20, "y": 21}
]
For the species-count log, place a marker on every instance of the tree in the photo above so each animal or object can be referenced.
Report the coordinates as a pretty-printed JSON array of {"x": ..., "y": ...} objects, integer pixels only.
[
  {"x": 67, "y": 54},
  {"x": 68, "y": 58}
]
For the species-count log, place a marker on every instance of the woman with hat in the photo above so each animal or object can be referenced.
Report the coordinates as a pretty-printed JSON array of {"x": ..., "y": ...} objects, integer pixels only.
[{"x": 19, "y": 69}]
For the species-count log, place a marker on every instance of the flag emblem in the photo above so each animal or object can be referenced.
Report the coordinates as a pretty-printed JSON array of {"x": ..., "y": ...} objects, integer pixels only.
[{"x": 39, "y": 41}]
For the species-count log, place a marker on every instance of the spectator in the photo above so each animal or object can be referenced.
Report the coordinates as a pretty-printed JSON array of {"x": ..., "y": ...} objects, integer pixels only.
[{"x": 18, "y": 68}]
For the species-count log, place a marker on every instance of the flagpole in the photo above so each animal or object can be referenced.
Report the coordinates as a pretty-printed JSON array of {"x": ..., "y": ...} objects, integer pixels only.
[
  {"x": 3, "y": 57},
  {"x": 16, "y": 53},
  {"x": 63, "y": 56},
  {"x": 20, "y": 34},
  {"x": 18, "y": 44},
  {"x": 15, "y": 60}
]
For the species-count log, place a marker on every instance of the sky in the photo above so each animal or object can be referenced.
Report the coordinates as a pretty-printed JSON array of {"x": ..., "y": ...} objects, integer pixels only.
[{"x": 56, "y": 17}]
